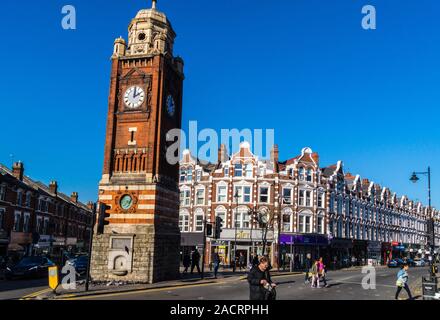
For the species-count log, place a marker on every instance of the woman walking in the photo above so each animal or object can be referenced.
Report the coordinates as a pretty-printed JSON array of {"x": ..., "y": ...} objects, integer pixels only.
[
  {"x": 402, "y": 282},
  {"x": 315, "y": 274}
]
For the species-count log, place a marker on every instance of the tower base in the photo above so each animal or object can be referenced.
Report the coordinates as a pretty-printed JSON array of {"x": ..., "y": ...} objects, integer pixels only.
[{"x": 136, "y": 254}]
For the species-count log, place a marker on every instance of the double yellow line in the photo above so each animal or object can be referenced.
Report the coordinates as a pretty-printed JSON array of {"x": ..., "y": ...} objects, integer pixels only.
[{"x": 35, "y": 294}]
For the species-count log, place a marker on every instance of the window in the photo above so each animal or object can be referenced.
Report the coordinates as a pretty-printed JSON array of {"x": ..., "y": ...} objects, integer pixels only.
[
  {"x": 287, "y": 196},
  {"x": 222, "y": 215},
  {"x": 17, "y": 221},
  {"x": 305, "y": 224},
  {"x": 198, "y": 225},
  {"x": 264, "y": 194},
  {"x": 200, "y": 196},
  {"x": 301, "y": 197},
  {"x": 309, "y": 175},
  {"x": 241, "y": 219},
  {"x": 287, "y": 216},
  {"x": 2, "y": 192},
  {"x": 189, "y": 175},
  {"x": 301, "y": 174},
  {"x": 19, "y": 198},
  {"x": 308, "y": 198},
  {"x": 28, "y": 200},
  {"x": 2, "y": 217},
  {"x": 249, "y": 170},
  {"x": 321, "y": 200},
  {"x": 26, "y": 222},
  {"x": 238, "y": 170},
  {"x": 321, "y": 225},
  {"x": 221, "y": 194},
  {"x": 244, "y": 194},
  {"x": 182, "y": 175},
  {"x": 184, "y": 222},
  {"x": 46, "y": 226},
  {"x": 198, "y": 175},
  {"x": 226, "y": 171},
  {"x": 185, "y": 197}
]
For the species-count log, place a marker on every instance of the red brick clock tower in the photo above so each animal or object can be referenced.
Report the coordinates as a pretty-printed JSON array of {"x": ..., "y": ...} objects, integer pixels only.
[{"x": 141, "y": 242}]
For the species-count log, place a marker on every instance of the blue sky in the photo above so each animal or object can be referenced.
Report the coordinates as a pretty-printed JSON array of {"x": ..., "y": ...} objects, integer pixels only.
[{"x": 305, "y": 68}]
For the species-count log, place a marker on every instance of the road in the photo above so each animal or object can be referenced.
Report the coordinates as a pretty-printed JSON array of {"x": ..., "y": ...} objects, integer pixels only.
[
  {"x": 16, "y": 289},
  {"x": 343, "y": 285}
]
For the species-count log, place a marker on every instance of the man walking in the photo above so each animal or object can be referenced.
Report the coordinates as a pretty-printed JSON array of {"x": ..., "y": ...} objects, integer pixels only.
[
  {"x": 402, "y": 282},
  {"x": 216, "y": 262},
  {"x": 308, "y": 265},
  {"x": 242, "y": 261},
  {"x": 195, "y": 260},
  {"x": 260, "y": 284}
]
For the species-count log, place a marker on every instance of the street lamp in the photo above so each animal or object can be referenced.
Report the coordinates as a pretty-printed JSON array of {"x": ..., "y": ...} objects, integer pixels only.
[
  {"x": 414, "y": 178},
  {"x": 236, "y": 196}
]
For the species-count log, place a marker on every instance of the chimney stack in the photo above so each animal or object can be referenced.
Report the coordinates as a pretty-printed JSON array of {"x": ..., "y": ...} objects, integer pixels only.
[
  {"x": 53, "y": 187},
  {"x": 90, "y": 205},
  {"x": 74, "y": 197},
  {"x": 274, "y": 154},
  {"x": 223, "y": 154},
  {"x": 18, "y": 170}
]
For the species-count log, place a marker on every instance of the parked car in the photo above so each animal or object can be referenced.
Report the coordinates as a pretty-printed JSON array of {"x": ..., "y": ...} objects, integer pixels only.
[
  {"x": 410, "y": 262},
  {"x": 29, "y": 267},
  {"x": 80, "y": 264},
  {"x": 395, "y": 263},
  {"x": 419, "y": 262}
]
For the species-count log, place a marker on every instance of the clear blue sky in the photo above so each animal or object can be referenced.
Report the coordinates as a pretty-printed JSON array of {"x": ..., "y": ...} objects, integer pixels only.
[{"x": 305, "y": 68}]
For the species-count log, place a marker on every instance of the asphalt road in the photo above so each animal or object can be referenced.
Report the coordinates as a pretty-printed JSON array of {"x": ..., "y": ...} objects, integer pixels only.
[
  {"x": 16, "y": 289},
  {"x": 343, "y": 285}
]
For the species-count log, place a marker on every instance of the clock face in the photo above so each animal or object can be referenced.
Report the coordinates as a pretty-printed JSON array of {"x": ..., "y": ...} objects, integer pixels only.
[
  {"x": 171, "y": 107},
  {"x": 126, "y": 202},
  {"x": 134, "y": 97}
]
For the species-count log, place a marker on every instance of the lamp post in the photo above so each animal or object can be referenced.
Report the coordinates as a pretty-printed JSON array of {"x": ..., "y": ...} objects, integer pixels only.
[
  {"x": 236, "y": 196},
  {"x": 414, "y": 178}
]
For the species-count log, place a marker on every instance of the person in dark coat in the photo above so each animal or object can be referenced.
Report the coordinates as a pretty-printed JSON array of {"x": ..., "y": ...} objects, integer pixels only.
[
  {"x": 259, "y": 280},
  {"x": 186, "y": 262},
  {"x": 255, "y": 261},
  {"x": 216, "y": 261},
  {"x": 308, "y": 265},
  {"x": 195, "y": 260}
]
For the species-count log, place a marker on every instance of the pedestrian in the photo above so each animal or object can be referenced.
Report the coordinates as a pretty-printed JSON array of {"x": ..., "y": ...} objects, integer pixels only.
[
  {"x": 186, "y": 262},
  {"x": 402, "y": 282},
  {"x": 315, "y": 275},
  {"x": 322, "y": 271},
  {"x": 261, "y": 286},
  {"x": 242, "y": 261},
  {"x": 216, "y": 260},
  {"x": 255, "y": 261},
  {"x": 308, "y": 265},
  {"x": 195, "y": 260}
]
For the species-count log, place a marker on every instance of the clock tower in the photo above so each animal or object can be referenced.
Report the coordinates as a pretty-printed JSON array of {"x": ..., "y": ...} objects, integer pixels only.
[{"x": 140, "y": 187}]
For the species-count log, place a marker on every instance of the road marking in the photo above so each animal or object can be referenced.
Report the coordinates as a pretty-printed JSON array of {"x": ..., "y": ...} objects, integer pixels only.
[
  {"x": 33, "y": 295},
  {"x": 139, "y": 291}
]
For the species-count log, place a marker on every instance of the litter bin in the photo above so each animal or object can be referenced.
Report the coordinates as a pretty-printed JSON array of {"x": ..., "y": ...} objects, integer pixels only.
[{"x": 429, "y": 286}]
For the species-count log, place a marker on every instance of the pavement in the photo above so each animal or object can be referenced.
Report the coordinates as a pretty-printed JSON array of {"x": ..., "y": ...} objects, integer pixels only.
[{"x": 343, "y": 285}]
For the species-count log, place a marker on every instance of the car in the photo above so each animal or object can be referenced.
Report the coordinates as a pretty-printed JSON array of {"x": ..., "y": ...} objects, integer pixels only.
[
  {"x": 29, "y": 267},
  {"x": 395, "y": 263},
  {"x": 80, "y": 264},
  {"x": 410, "y": 262},
  {"x": 419, "y": 262}
]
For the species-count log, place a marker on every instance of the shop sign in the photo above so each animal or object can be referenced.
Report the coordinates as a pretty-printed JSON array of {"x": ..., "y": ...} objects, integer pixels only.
[{"x": 21, "y": 238}]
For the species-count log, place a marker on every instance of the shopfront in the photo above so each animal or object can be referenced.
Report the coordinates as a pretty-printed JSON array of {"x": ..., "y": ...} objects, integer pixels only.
[
  {"x": 360, "y": 253},
  {"x": 296, "y": 247},
  {"x": 189, "y": 241},
  {"x": 341, "y": 253},
  {"x": 374, "y": 250},
  {"x": 4, "y": 242},
  {"x": 20, "y": 245}
]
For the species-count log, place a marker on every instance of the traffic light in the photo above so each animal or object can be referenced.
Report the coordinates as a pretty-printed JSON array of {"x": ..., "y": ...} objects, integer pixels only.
[
  {"x": 218, "y": 227},
  {"x": 209, "y": 230},
  {"x": 103, "y": 215}
]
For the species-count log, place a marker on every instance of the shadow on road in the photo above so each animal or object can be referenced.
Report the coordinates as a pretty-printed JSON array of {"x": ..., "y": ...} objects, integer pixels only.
[{"x": 9, "y": 285}]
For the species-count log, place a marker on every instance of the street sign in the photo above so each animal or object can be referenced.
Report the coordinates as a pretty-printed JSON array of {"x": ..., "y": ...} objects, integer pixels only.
[{"x": 53, "y": 277}]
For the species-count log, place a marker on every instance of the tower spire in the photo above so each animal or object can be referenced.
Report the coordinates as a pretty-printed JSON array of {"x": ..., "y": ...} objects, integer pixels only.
[{"x": 153, "y": 5}]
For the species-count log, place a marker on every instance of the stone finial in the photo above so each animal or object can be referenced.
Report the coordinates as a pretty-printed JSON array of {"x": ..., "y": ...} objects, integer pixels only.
[{"x": 154, "y": 4}]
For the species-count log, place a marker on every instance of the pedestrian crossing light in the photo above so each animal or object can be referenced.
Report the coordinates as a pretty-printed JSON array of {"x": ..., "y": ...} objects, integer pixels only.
[
  {"x": 218, "y": 227},
  {"x": 103, "y": 215}
]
